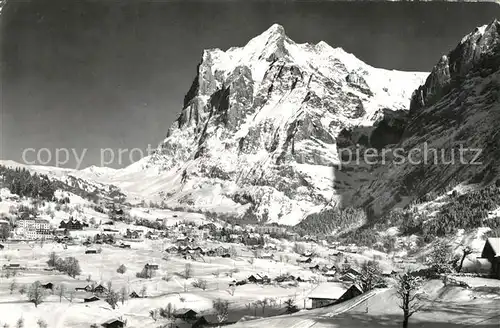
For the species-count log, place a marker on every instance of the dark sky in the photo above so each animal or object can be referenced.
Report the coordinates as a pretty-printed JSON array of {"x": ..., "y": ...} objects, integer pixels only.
[{"x": 113, "y": 74}]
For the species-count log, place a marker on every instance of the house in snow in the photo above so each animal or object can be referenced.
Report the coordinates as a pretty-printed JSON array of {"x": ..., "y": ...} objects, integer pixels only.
[
  {"x": 134, "y": 295},
  {"x": 91, "y": 299},
  {"x": 333, "y": 293},
  {"x": 185, "y": 314},
  {"x": 258, "y": 279},
  {"x": 491, "y": 252},
  {"x": 113, "y": 323}
]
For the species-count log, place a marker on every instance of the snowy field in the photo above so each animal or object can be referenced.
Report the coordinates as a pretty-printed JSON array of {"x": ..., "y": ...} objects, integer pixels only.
[{"x": 101, "y": 269}]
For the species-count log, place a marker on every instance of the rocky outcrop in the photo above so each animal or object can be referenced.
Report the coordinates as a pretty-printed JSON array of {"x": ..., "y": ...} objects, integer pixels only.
[{"x": 478, "y": 51}]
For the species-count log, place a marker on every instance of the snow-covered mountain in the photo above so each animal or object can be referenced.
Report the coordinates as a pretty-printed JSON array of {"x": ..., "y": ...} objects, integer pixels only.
[
  {"x": 259, "y": 126},
  {"x": 262, "y": 126}
]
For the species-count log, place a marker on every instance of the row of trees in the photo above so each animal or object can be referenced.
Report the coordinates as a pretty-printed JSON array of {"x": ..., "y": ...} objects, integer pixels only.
[
  {"x": 331, "y": 220},
  {"x": 68, "y": 265},
  {"x": 21, "y": 182}
]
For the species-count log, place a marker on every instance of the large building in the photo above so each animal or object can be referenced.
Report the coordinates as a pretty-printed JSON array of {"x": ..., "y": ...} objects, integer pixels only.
[{"x": 33, "y": 229}]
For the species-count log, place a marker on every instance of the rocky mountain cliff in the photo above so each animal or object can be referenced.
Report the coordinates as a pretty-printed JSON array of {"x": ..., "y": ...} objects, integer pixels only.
[
  {"x": 261, "y": 124},
  {"x": 457, "y": 107}
]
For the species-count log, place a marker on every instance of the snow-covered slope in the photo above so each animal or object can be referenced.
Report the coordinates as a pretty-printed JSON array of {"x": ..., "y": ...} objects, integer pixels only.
[{"x": 259, "y": 126}]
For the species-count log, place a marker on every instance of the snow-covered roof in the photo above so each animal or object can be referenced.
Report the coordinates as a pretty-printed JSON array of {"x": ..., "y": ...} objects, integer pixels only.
[
  {"x": 495, "y": 245},
  {"x": 331, "y": 291}
]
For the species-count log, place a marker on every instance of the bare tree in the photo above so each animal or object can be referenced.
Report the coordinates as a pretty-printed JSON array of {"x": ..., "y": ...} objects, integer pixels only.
[
  {"x": 221, "y": 310},
  {"x": 263, "y": 303},
  {"x": 109, "y": 285},
  {"x": 200, "y": 283},
  {"x": 72, "y": 267},
  {"x": 41, "y": 323},
  {"x": 466, "y": 251},
  {"x": 89, "y": 278},
  {"x": 12, "y": 286},
  {"x": 299, "y": 248},
  {"x": 370, "y": 275},
  {"x": 121, "y": 269},
  {"x": 231, "y": 290},
  {"x": 233, "y": 251},
  {"x": 188, "y": 270},
  {"x": 440, "y": 259},
  {"x": 52, "y": 259},
  {"x": 71, "y": 296},
  {"x": 407, "y": 292},
  {"x": 123, "y": 295},
  {"x": 60, "y": 292},
  {"x": 20, "y": 323},
  {"x": 36, "y": 293},
  {"x": 290, "y": 306},
  {"x": 143, "y": 291},
  {"x": 112, "y": 298},
  {"x": 154, "y": 314}
]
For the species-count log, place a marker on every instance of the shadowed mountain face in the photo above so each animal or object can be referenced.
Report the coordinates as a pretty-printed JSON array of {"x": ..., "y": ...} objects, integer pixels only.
[
  {"x": 262, "y": 126},
  {"x": 451, "y": 130}
]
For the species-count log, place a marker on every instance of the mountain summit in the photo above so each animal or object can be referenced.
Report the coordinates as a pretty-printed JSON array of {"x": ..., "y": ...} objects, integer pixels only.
[{"x": 258, "y": 130}]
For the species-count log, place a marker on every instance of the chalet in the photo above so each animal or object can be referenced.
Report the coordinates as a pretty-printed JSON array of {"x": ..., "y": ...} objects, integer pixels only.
[
  {"x": 210, "y": 320},
  {"x": 330, "y": 273},
  {"x": 284, "y": 278},
  {"x": 352, "y": 271},
  {"x": 314, "y": 268},
  {"x": 151, "y": 266},
  {"x": 185, "y": 314},
  {"x": 491, "y": 252},
  {"x": 199, "y": 250},
  {"x": 12, "y": 266},
  {"x": 349, "y": 277},
  {"x": 48, "y": 286},
  {"x": 110, "y": 230},
  {"x": 267, "y": 256},
  {"x": 113, "y": 323},
  {"x": 221, "y": 250},
  {"x": 124, "y": 245},
  {"x": 332, "y": 293},
  {"x": 1, "y": 247},
  {"x": 72, "y": 224},
  {"x": 134, "y": 295},
  {"x": 90, "y": 251},
  {"x": 100, "y": 289},
  {"x": 172, "y": 250},
  {"x": 87, "y": 288},
  {"x": 132, "y": 234},
  {"x": 255, "y": 279},
  {"x": 258, "y": 279},
  {"x": 304, "y": 260},
  {"x": 91, "y": 299}
]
